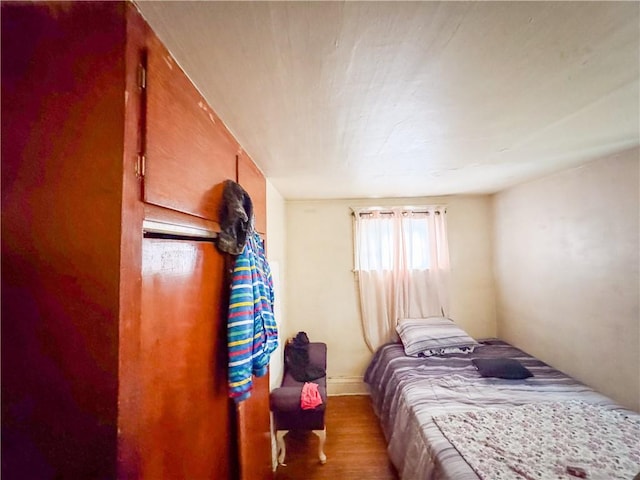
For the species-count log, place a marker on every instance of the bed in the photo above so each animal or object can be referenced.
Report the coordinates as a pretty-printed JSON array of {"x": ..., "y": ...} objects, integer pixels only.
[{"x": 442, "y": 420}]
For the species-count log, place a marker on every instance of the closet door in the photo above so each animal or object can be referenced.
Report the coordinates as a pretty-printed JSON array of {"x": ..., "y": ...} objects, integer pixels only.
[
  {"x": 188, "y": 151},
  {"x": 61, "y": 193},
  {"x": 185, "y": 425},
  {"x": 254, "y": 433}
]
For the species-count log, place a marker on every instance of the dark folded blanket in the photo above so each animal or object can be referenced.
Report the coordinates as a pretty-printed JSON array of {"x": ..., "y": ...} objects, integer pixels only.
[{"x": 297, "y": 359}]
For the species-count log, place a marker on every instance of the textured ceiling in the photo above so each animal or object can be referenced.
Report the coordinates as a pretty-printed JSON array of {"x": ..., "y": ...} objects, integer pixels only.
[{"x": 386, "y": 99}]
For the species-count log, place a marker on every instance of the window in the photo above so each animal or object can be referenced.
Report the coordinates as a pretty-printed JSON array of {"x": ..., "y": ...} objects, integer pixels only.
[
  {"x": 402, "y": 267},
  {"x": 386, "y": 240}
]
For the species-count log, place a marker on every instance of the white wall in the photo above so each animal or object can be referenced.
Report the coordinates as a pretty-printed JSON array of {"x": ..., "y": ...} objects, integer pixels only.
[
  {"x": 277, "y": 257},
  {"x": 321, "y": 290},
  {"x": 566, "y": 264}
]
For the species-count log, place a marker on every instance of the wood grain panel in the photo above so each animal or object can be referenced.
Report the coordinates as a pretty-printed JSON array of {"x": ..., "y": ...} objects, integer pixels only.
[
  {"x": 189, "y": 152},
  {"x": 253, "y": 181},
  {"x": 62, "y": 168},
  {"x": 165, "y": 215},
  {"x": 130, "y": 256},
  {"x": 185, "y": 426},
  {"x": 254, "y": 433}
]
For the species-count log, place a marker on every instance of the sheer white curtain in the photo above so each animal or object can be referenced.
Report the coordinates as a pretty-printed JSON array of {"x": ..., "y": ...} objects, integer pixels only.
[{"x": 402, "y": 267}]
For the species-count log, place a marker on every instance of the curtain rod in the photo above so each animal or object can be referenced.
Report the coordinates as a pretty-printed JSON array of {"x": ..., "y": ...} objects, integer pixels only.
[
  {"x": 393, "y": 213},
  {"x": 437, "y": 210}
]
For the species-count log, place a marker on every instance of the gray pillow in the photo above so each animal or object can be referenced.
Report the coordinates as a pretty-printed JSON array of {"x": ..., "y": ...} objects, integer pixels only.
[
  {"x": 433, "y": 336},
  {"x": 501, "y": 368}
]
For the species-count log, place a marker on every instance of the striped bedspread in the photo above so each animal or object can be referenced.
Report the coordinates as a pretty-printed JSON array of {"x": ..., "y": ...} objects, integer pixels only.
[{"x": 408, "y": 392}]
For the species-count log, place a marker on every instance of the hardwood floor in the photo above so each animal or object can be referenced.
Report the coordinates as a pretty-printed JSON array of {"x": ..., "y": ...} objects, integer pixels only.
[{"x": 355, "y": 446}]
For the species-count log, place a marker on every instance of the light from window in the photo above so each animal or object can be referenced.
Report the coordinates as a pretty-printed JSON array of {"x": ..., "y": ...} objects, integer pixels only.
[
  {"x": 416, "y": 238},
  {"x": 386, "y": 242}
]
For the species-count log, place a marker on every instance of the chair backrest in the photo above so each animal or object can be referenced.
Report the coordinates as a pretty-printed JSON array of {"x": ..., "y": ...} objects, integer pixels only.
[{"x": 317, "y": 355}]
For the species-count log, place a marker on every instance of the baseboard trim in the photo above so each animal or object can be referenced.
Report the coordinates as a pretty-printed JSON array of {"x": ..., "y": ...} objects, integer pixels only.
[{"x": 346, "y": 386}]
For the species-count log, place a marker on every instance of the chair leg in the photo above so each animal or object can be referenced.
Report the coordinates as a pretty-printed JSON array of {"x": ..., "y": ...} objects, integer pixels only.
[
  {"x": 322, "y": 435},
  {"x": 282, "y": 449}
]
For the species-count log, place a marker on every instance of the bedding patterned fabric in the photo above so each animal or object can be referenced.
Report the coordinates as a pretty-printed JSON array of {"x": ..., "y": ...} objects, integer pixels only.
[
  {"x": 407, "y": 392},
  {"x": 546, "y": 441}
]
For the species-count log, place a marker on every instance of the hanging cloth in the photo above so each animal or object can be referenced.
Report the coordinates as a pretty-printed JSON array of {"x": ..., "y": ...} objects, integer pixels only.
[
  {"x": 236, "y": 218},
  {"x": 310, "y": 396},
  {"x": 252, "y": 333}
]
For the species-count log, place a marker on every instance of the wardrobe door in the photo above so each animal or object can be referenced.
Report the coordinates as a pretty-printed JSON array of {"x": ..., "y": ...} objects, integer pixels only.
[
  {"x": 61, "y": 187},
  {"x": 185, "y": 424},
  {"x": 254, "y": 433},
  {"x": 188, "y": 151}
]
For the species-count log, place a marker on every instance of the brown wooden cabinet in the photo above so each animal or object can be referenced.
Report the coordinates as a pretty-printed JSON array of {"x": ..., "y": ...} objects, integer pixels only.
[
  {"x": 188, "y": 152},
  {"x": 113, "y": 345},
  {"x": 254, "y": 433},
  {"x": 183, "y": 393}
]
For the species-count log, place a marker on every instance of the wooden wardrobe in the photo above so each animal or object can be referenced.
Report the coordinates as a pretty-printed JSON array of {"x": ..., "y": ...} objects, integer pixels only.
[{"x": 113, "y": 335}]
